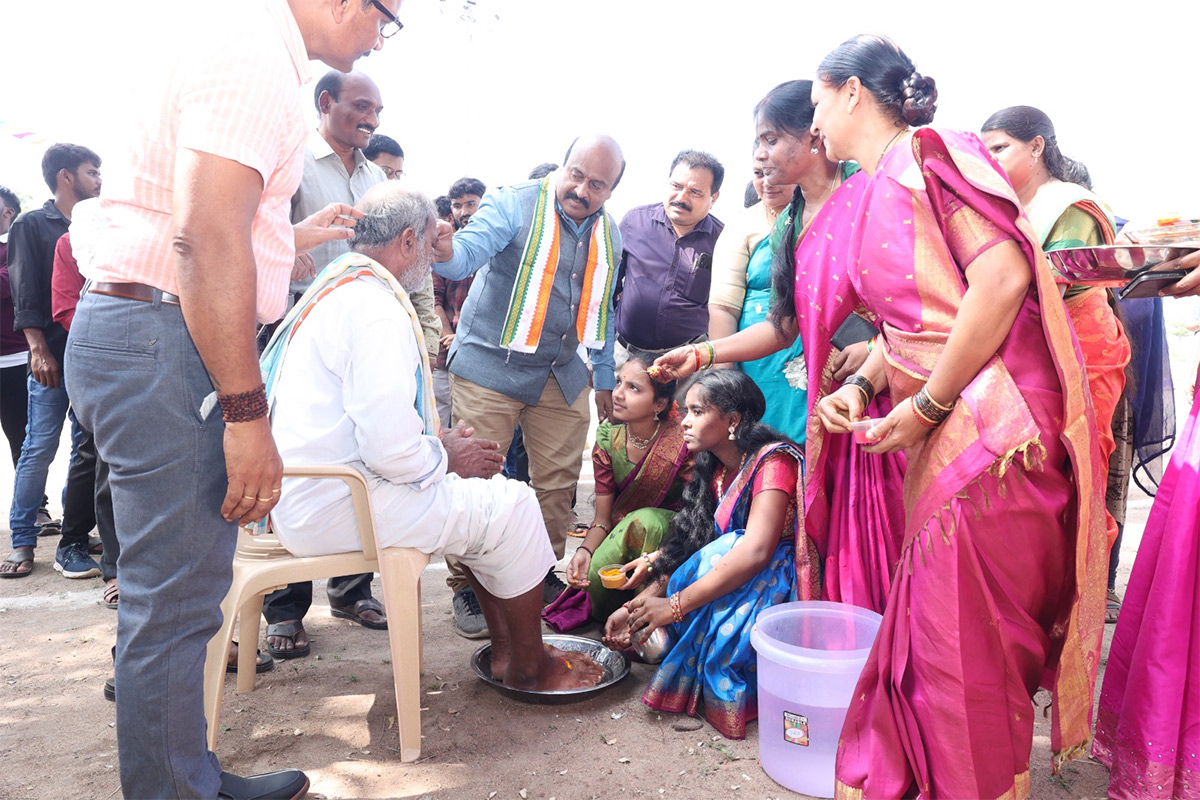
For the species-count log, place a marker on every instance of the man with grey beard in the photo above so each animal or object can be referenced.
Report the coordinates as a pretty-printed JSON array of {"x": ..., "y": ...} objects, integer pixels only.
[{"x": 349, "y": 384}]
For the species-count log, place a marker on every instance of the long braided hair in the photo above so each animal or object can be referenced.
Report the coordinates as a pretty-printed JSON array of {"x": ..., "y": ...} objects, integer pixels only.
[{"x": 728, "y": 392}]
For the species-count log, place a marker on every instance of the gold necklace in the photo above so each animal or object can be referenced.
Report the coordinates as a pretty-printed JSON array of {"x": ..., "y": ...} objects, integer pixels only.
[
  {"x": 639, "y": 442},
  {"x": 725, "y": 474},
  {"x": 886, "y": 147}
]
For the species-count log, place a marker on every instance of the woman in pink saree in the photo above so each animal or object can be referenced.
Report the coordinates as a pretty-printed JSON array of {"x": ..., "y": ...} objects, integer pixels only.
[
  {"x": 853, "y": 506},
  {"x": 1148, "y": 726},
  {"x": 996, "y": 590}
]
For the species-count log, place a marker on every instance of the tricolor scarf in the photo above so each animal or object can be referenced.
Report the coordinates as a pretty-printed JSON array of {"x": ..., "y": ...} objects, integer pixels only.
[
  {"x": 535, "y": 278},
  {"x": 343, "y": 270}
]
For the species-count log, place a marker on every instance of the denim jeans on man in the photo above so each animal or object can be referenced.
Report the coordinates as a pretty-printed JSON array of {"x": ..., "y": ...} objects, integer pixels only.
[
  {"x": 140, "y": 387},
  {"x": 47, "y": 410}
]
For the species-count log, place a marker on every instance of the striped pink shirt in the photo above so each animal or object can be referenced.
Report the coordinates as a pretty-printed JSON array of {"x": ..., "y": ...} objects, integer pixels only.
[{"x": 235, "y": 95}]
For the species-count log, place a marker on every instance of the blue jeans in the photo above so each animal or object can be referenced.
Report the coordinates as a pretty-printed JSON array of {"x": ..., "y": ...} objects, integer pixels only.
[
  {"x": 140, "y": 386},
  {"x": 47, "y": 412}
]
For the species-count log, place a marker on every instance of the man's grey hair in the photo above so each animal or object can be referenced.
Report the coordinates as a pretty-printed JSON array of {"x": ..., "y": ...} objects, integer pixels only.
[{"x": 388, "y": 210}]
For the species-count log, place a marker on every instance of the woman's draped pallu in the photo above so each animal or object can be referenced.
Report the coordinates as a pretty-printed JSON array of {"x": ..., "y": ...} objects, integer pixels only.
[
  {"x": 712, "y": 663},
  {"x": 646, "y": 496},
  {"x": 1000, "y": 581},
  {"x": 1068, "y": 215}
]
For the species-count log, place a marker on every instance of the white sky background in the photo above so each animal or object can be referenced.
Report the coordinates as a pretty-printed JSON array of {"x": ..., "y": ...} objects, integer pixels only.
[{"x": 493, "y": 97}]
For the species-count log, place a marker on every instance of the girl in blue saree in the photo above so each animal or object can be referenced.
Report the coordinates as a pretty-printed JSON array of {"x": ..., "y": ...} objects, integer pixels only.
[{"x": 731, "y": 552}]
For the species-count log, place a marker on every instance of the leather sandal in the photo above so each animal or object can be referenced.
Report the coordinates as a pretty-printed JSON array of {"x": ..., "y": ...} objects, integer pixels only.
[
  {"x": 354, "y": 613},
  {"x": 112, "y": 594},
  {"x": 288, "y": 630},
  {"x": 19, "y": 555}
]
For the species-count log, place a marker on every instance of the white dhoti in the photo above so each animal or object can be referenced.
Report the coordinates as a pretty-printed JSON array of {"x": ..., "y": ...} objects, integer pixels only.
[{"x": 493, "y": 526}]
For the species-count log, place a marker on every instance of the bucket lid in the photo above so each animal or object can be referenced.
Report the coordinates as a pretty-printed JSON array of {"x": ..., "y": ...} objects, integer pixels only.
[{"x": 811, "y": 658}]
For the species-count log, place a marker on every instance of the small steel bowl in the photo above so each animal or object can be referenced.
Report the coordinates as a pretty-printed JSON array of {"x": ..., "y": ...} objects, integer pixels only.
[
  {"x": 656, "y": 646},
  {"x": 615, "y": 665}
]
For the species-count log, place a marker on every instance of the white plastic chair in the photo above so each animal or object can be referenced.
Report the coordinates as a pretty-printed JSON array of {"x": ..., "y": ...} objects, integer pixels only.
[{"x": 262, "y": 565}]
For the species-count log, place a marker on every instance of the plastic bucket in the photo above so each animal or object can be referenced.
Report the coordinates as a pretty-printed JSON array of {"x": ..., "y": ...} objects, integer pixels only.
[{"x": 810, "y": 655}]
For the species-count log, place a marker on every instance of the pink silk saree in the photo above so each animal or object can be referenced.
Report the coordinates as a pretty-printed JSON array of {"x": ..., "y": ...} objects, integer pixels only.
[
  {"x": 854, "y": 505},
  {"x": 1148, "y": 726},
  {"x": 991, "y": 596}
]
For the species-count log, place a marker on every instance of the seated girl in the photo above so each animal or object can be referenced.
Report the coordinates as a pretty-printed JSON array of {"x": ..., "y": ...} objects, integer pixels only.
[
  {"x": 730, "y": 553},
  {"x": 641, "y": 463}
]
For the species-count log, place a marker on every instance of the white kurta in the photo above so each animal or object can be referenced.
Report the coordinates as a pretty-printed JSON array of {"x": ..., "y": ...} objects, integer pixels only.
[{"x": 346, "y": 395}]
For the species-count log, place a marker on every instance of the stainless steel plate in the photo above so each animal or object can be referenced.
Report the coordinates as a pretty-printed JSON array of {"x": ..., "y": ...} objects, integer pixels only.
[
  {"x": 616, "y": 667},
  {"x": 1112, "y": 265}
]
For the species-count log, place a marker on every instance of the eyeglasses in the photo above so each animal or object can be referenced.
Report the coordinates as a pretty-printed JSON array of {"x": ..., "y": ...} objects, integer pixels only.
[
  {"x": 392, "y": 26},
  {"x": 392, "y": 174}
]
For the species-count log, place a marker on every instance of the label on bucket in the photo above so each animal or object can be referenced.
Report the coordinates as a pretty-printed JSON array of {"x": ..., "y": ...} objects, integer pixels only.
[{"x": 795, "y": 728}]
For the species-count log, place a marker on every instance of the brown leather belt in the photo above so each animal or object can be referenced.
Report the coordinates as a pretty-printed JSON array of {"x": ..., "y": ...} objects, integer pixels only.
[{"x": 133, "y": 291}]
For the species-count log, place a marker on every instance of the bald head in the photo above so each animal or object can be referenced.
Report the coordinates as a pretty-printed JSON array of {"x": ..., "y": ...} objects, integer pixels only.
[
  {"x": 398, "y": 231},
  {"x": 591, "y": 170}
]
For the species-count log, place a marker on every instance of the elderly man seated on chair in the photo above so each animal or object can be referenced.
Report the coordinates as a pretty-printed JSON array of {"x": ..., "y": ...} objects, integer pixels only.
[{"x": 349, "y": 383}]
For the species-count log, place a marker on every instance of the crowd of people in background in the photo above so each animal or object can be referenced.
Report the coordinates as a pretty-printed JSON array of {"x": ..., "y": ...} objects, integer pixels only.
[{"x": 903, "y": 405}]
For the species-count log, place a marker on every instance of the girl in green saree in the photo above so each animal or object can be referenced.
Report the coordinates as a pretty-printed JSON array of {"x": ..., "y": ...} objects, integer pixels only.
[{"x": 641, "y": 464}]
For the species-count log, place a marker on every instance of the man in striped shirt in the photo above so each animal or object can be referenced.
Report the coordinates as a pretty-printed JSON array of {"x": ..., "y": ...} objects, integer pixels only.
[{"x": 199, "y": 244}]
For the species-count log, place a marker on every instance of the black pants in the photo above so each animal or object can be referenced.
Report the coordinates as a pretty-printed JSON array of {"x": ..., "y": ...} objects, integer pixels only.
[
  {"x": 105, "y": 523},
  {"x": 14, "y": 407},
  {"x": 79, "y": 501},
  {"x": 294, "y": 600}
]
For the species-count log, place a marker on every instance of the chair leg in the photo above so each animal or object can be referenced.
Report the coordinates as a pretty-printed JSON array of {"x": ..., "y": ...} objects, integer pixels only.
[
  {"x": 250, "y": 614},
  {"x": 403, "y": 600},
  {"x": 215, "y": 659},
  {"x": 420, "y": 628}
]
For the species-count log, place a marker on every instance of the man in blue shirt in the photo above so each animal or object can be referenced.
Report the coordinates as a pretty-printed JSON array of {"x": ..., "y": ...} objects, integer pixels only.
[
  {"x": 668, "y": 259},
  {"x": 540, "y": 381}
]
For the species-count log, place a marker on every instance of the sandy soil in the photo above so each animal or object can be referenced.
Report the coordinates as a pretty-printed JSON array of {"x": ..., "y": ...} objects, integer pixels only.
[{"x": 333, "y": 713}]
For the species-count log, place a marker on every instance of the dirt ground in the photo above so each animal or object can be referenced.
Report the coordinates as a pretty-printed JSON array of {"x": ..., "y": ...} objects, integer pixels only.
[{"x": 333, "y": 714}]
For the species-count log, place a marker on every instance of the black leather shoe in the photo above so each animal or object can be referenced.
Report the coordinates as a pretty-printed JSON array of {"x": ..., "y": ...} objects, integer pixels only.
[
  {"x": 286, "y": 784},
  {"x": 110, "y": 690}
]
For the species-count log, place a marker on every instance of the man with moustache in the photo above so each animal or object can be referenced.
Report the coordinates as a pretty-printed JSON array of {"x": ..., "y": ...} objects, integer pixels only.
[
  {"x": 336, "y": 170},
  {"x": 72, "y": 172},
  {"x": 162, "y": 360},
  {"x": 668, "y": 259},
  {"x": 520, "y": 357}
]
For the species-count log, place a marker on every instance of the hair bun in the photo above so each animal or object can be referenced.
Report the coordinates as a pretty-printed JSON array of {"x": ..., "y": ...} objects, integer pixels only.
[{"x": 920, "y": 99}]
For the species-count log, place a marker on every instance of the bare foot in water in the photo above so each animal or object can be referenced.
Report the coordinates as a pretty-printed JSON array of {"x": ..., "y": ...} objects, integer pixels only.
[
  {"x": 570, "y": 670},
  {"x": 500, "y": 658}
]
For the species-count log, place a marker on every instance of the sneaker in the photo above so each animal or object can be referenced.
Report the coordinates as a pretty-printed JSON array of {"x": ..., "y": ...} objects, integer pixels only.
[
  {"x": 73, "y": 561},
  {"x": 552, "y": 587},
  {"x": 468, "y": 616}
]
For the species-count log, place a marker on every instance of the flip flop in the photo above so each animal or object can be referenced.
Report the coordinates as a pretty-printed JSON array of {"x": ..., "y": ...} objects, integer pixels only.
[
  {"x": 112, "y": 594},
  {"x": 1112, "y": 609},
  {"x": 354, "y": 613},
  {"x": 262, "y": 663},
  {"x": 19, "y": 555},
  {"x": 288, "y": 630},
  {"x": 580, "y": 531}
]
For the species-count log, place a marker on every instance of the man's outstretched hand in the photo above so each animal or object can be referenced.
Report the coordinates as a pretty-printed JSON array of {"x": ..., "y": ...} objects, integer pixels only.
[{"x": 469, "y": 457}]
